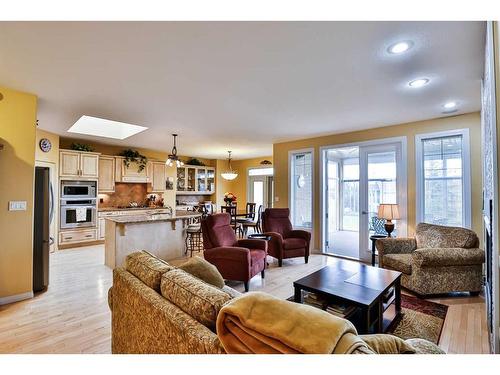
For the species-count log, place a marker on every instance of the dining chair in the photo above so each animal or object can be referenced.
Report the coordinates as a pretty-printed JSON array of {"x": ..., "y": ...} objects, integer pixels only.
[
  {"x": 255, "y": 223},
  {"x": 232, "y": 210}
]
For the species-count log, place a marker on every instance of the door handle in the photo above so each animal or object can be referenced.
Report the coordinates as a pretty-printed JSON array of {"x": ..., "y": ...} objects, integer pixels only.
[{"x": 365, "y": 212}]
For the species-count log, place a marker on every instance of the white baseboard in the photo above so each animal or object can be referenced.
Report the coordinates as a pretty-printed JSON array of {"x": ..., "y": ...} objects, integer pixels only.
[{"x": 15, "y": 298}]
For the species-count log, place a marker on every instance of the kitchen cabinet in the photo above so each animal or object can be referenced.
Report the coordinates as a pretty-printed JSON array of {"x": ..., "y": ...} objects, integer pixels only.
[
  {"x": 102, "y": 228},
  {"x": 75, "y": 236},
  {"x": 78, "y": 164},
  {"x": 130, "y": 173},
  {"x": 106, "y": 174},
  {"x": 158, "y": 176},
  {"x": 195, "y": 180}
]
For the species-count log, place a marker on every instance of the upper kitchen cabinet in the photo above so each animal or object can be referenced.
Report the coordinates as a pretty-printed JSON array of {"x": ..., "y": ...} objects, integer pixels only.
[
  {"x": 78, "y": 164},
  {"x": 195, "y": 180},
  {"x": 158, "y": 176},
  {"x": 130, "y": 173},
  {"x": 106, "y": 174}
]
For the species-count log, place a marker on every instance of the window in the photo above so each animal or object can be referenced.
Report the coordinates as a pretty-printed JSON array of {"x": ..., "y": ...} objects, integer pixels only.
[
  {"x": 301, "y": 188},
  {"x": 269, "y": 171},
  {"x": 443, "y": 178}
]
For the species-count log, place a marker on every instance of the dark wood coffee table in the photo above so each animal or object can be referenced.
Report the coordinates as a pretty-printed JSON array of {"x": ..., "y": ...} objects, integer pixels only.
[{"x": 365, "y": 287}]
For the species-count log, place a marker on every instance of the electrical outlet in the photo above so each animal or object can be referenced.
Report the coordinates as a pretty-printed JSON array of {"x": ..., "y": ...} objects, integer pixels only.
[
  {"x": 17, "y": 206},
  {"x": 276, "y": 199}
]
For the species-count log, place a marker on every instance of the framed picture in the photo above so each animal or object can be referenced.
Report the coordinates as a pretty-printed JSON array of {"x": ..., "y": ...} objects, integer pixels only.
[{"x": 169, "y": 185}]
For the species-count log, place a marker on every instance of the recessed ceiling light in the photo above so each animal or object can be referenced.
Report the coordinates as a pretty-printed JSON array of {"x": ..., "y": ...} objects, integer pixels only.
[
  {"x": 400, "y": 47},
  {"x": 100, "y": 127},
  {"x": 450, "y": 105},
  {"x": 419, "y": 82}
]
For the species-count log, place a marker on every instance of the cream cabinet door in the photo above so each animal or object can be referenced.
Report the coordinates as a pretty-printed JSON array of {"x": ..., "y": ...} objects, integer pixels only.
[
  {"x": 69, "y": 164},
  {"x": 158, "y": 176},
  {"x": 102, "y": 229},
  {"x": 106, "y": 174},
  {"x": 89, "y": 165}
]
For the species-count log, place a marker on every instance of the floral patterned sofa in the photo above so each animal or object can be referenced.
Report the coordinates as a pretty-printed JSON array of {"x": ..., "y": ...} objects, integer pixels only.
[
  {"x": 438, "y": 260},
  {"x": 157, "y": 308}
]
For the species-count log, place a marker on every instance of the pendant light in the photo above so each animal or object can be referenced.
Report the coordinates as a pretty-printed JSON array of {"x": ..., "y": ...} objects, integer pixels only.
[
  {"x": 229, "y": 174},
  {"x": 173, "y": 158}
]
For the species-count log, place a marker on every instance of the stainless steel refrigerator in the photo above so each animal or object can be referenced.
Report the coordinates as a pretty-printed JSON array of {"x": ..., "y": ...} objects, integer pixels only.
[{"x": 43, "y": 216}]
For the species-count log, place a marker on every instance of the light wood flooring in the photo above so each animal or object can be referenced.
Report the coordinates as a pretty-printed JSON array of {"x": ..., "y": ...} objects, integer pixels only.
[{"x": 72, "y": 316}]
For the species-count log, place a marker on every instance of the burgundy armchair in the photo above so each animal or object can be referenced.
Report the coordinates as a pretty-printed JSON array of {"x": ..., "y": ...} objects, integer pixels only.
[
  {"x": 235, "y": 259},
  {"x": 285, "y": 242}
]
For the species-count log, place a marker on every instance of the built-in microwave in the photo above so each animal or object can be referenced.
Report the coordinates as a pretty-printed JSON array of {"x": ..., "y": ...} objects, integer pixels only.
[{"x": 78, "y": 189}]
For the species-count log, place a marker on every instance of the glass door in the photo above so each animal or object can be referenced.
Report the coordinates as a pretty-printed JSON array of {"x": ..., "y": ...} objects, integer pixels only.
[{"x": 356, "y": 180}]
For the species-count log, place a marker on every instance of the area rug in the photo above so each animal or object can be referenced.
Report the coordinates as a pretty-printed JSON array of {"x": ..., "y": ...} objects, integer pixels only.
[{"x": 420, "y": 319}]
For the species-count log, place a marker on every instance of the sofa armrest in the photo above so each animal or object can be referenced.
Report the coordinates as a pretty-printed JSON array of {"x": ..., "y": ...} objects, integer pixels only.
[
  {"x": 239, "y": 254},
  {"x": 396, "y": 245},
  {"x": 275, "y": 245},
  {"x": 305, "y": 235},
  {"x": 438, "y": 257},
  {"x": 253, "y": 244}
]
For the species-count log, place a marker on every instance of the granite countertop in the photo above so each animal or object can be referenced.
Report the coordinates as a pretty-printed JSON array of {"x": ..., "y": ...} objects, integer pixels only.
[
  {"x": 130, "y": 208},
  {"x": 145, "y": 218}
]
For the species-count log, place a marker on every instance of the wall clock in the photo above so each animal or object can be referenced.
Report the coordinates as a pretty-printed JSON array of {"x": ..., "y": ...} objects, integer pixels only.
[{"x": 45, "y": 145}]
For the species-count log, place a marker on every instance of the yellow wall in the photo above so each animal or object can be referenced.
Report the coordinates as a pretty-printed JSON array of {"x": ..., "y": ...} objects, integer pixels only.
[
  {"x": 239, "y": 185},
  {"x": 53, "y": 155},
  {"x": 470, "y": 120},
  {"x": 17, "y": 162}
]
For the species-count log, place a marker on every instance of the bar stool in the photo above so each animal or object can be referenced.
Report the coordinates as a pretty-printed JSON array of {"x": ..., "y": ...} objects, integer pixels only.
[{"x": 194, "y": 238}]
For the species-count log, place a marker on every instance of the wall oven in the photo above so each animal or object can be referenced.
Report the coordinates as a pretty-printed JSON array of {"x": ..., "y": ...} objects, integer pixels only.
[
  {"x": 78, "y": 213},
  {"x": 78, "y": 189}
]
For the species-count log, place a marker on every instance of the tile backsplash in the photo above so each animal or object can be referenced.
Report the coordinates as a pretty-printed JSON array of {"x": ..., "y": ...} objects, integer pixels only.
[{"x": 124, "y": 194}]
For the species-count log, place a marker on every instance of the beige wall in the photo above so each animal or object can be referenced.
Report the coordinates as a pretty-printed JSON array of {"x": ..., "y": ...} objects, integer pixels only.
[
  {"x": 470, "y": 121},
  {"x": 17, "y": 162}
]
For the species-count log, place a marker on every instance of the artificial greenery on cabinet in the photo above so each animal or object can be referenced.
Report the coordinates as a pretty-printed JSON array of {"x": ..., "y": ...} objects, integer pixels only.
[{"x": 132, "y": 156}]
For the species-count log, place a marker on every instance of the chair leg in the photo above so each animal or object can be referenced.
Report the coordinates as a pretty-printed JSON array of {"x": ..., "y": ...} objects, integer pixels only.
[
  {"x": 474, "y": 294},
  {"x": 280, "y": 262},
  {"x": 247, "y": 288},
  {"x": 307, "y": 258},
  {"x": 263, "y": 273}
]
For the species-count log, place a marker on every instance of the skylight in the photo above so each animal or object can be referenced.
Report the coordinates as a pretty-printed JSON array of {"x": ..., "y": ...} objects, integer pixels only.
[{"x": 100, "y": 127}]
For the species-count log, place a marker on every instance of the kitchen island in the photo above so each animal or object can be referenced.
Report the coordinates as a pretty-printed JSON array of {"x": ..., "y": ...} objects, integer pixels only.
[{"x": 161, "y": 234}]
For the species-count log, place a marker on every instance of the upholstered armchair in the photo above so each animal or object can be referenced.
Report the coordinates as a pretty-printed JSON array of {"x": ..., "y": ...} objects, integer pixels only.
[
  {"x": 438, "y": 260},
  {"x": 235, "y": 259},
  {"x": 285, "y": 242}
]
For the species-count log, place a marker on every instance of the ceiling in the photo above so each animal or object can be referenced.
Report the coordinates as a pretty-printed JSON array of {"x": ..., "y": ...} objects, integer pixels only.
[{"x": 240, "y": 86}]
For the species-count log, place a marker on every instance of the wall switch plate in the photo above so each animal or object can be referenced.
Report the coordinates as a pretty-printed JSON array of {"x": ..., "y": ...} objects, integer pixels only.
[
  {"x": 17, "y": 206},
  {"x": 276, "y": 199}
]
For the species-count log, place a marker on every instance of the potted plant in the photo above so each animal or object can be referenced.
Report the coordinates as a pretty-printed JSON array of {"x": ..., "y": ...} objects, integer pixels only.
[{"x": 132, "y": 156}]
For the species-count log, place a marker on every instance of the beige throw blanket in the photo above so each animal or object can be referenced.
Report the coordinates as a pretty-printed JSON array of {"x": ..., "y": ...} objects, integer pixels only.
[{"x": 260, "y": 323}]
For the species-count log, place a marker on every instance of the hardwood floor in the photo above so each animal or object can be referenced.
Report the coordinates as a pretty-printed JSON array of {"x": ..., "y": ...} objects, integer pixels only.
[{"x": 73, "y": 315}]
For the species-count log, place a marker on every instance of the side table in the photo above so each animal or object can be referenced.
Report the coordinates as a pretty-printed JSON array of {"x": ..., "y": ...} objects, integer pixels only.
[{"x": 374, "y": 239}]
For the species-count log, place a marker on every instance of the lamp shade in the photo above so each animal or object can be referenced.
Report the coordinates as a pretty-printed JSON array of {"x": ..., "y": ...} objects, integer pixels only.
[{"x": 388, "y": 211}]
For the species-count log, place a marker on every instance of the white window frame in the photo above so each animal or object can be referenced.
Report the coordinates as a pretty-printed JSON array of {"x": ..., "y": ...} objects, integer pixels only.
[
  {"x": 291, "y": 153},
  {"x": 466, "y": 171}
]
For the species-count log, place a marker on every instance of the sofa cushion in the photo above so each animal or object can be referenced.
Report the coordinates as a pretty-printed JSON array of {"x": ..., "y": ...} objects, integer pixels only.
[
  {"x": 195, "y": 297},
  {"x": 399, "y": 262},
  {"x": 388, "y": 344},
  {"x": 430, "y": 235},
  {"x": 437, "y": 257},
  {"x": 294, "y": 243},
  {"x": 422, "y": 346},
  {"x": 147, "y": 268},
  {"x": 203, "y": 270}
]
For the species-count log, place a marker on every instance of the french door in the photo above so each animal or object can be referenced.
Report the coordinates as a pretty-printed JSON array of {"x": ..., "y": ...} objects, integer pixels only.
[
  {"x": 260, "y": 191},
  {"x": 356, "y": 179}
]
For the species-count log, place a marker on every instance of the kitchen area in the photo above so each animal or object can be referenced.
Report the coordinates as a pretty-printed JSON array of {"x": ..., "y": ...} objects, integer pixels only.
[{"x": 128, "y": 205}]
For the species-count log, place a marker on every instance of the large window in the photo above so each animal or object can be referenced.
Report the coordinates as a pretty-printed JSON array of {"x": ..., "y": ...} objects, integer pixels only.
[
  {"x": 301, "y": 188},
  {"x": 443, "y": 178}
]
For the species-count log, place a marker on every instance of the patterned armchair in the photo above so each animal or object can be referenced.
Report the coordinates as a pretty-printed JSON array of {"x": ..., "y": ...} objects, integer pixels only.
[{"x": 438, "y": 260}]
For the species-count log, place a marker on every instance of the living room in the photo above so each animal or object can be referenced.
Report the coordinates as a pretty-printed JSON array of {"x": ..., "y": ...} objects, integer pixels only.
[{"x": 199, "y": 181}]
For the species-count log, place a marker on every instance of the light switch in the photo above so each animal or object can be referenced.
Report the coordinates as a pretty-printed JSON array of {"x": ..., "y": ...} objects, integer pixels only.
[
  {"x": 17, "y": 206},
  {"x": 276, "y": 199}
]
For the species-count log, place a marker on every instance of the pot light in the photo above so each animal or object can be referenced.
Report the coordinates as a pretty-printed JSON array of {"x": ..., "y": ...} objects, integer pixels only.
[
  {"x": 400, "y": 47},
  {"x": 420, "y": 82},
  {"x": 450, "y": 105},
  {"x": 101, "y": 127}
]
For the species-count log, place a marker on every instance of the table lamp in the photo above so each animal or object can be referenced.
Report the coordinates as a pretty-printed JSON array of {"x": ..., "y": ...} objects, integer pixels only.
[{"x": 389, "y": 212}]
